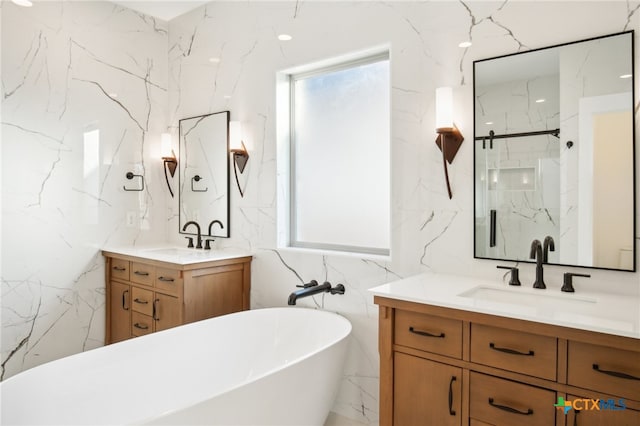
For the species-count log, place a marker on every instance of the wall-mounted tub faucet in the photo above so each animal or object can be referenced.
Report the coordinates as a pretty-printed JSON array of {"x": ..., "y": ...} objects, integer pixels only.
[
  {"x": 184, "y": 228},
  {"x": 312, "y": 288}
]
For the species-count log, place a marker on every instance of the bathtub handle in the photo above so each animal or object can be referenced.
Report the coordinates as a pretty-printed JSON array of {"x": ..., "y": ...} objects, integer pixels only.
[
  {"x": 141, "y": 326},
  {"x": 424, "y": 333},
  {"x": 155, "y": 309},
  {"x": 451, "y": 410},
  {"x": 140, "y": 301},
  {"x": 124, "y": 300}
]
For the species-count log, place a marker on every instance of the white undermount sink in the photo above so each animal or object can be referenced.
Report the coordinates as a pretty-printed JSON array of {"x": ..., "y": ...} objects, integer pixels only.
[{"x": 523, "y": 296}]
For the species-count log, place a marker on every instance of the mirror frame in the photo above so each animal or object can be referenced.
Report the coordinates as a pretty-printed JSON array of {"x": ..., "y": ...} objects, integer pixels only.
[
  {"x": 633, "y": 147},
  {"x": 204, "y": 227}
]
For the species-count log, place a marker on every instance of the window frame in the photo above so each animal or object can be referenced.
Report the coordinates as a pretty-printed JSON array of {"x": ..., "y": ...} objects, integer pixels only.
[{"x": 293, "y": 77}]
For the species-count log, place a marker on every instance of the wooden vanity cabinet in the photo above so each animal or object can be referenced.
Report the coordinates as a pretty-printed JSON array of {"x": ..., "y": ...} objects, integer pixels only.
[
  {"x": 145, "y": 296},
  {"x": 442, "y": 366}
]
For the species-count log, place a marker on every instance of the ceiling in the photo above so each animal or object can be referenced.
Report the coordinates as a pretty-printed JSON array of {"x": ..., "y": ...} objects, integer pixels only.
[{"x": 163, "y": 9}]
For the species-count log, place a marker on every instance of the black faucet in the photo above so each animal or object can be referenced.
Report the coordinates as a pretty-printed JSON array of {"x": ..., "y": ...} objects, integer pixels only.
[
  {"x": 548, "y": 245},
  {"x": 191, "y": 222},
  {"x": 313, "y": 288},
  {"x": 536, "y": 253},
  {"x": 207, "y": 243}
]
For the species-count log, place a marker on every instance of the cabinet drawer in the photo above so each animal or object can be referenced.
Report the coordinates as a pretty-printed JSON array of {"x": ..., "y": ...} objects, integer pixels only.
[
  {"x": 502, "y": 402},
  {"x": 609, "y": 370},
  {"x": 120, "y": 269},
  {"x": 142, "y": 273},
  {"x": 429, "y": 333},
  {"x": 142, "y": 301},
  {"x": 169, "y": 281},
  {"x": 524, "y": 353},
  {"x": 141, "y": 324}
]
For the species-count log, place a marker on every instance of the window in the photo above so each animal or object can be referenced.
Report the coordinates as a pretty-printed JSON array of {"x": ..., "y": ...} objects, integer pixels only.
[{"x": 339, "y": 176}]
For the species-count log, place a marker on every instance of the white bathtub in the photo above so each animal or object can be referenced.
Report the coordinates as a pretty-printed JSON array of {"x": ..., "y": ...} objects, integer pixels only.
[{"x": 279, "y": 366}]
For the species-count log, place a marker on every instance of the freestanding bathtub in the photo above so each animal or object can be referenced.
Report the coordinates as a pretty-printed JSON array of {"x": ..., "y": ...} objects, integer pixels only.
[{"x": 278, "y": 366}]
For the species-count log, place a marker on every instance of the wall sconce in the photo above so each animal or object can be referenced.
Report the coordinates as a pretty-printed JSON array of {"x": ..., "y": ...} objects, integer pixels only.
[
  {"x": 449, "y": 137},
  {"x": 238, "y": 150},
  {"x": 168, "y": 158}
]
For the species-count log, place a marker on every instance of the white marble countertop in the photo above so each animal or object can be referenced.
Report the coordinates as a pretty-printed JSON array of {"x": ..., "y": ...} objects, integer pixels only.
[
  {"x": 177, "y": 255},
  {"x": 599, "y": 312}
]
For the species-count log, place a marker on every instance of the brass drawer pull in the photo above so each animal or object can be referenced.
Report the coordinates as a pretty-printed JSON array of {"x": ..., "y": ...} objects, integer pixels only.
[
  {"x": 140, "y": 301},
  {"x": 165, "y": 279},
  {"x": 424, "y": 333},
  {"x": 142, "y": 273},
  {"x": 119, "y": 268},
  {"x": 451, "y": 410},
  {"x": 615, "y": 373},
  {"x": 510, "y": 351},
  {"x": 141, "y": 326},
  {"x": 510, "y": 409}
]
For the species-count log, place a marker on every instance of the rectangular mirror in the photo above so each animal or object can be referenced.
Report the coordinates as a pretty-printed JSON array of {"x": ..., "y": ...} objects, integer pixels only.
[
  {"x": 554, "y": 153},
  {"x": 204, "y": 173}
]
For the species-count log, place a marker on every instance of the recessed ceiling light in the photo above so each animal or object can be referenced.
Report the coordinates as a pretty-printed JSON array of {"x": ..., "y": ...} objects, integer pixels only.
[
  {"x": 24, "y": 3},
  {"x": 465, "y": 44},
  {"x": 215, "y": 60},
  {"x": 489, "y": 123},
  {"x": 284, "y": 37},
  {"x": 539, "y": 101},
  {"x": 626, "y": 76}
]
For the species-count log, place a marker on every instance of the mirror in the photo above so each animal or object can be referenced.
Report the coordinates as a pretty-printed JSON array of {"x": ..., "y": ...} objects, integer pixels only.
[
  {"x": 204, "y": 173},
  {"x": 554, "y": 153}
]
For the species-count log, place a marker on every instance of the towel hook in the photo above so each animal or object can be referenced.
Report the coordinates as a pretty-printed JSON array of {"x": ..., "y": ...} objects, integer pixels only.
[{"x": 131, "y": 175}]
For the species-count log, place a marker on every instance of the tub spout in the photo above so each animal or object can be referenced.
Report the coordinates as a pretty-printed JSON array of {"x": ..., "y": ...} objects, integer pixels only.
[{"x": 313, "y": 288}]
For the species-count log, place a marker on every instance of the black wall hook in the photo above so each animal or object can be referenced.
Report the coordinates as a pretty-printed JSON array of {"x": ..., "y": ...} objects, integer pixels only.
[{"x": 131, "y": 175}]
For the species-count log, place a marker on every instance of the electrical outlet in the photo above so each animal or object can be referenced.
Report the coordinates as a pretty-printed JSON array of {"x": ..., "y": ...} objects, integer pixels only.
[{"x": 131, "y": 219}]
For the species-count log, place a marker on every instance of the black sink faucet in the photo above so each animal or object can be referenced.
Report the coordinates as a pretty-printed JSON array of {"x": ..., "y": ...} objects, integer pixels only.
[
  {"x": 547, "y": 246},
  {"x": 536, "y": 253},
  {"x": 213, "y": 222},
  {"x": 191, "y": 222}
]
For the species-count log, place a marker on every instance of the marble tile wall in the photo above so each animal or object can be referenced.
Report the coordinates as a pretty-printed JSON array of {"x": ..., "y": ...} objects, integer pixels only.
[
  {"x": 429, "y": 231},
  {"x": 56, "y": 82},
  {"x": 70, "y": 68}
]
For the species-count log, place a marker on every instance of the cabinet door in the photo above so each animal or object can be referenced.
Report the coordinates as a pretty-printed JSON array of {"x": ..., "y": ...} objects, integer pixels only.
[
  {"x": 584, "y": 414},
  {"x": 426, "y": 392},
  {"x": 120, "y": 312},
  {"x": 167, "y": 311}
]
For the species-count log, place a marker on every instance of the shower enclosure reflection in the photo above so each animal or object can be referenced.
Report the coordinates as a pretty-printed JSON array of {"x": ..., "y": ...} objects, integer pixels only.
[{"x": 554, "y": 153}]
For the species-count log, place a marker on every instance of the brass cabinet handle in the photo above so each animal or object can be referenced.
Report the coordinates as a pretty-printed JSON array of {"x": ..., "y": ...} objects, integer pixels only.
[
  {"x": 510, "y": 351},
  {"x": 425, "y": 333},
  {"x": 140, "y": 301},
  {"x": 451, "y": 410},
  {"x": 142, "y": 273},
  {"x": 141, "y": 326},
  {"x": 124, "y": 298},
  {"x": 615, "y": 373},
  {"x": 165, "y": 279},
  {"x": 510, "y": 409}
]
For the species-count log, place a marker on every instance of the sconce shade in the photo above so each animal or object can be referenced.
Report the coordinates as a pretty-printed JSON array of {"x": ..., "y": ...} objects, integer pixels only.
[
  {"x": 235, "y": 135},
  {"x": 165, "y": 145},
  {"x": 444, "y": 109},
  {"x": 169, "y": 159}
]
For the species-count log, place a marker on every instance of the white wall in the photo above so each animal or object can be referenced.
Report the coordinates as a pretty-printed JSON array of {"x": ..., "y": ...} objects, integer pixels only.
[
  {"x": 52, "y": 274},
  {"x": 59, "y": 63}
]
